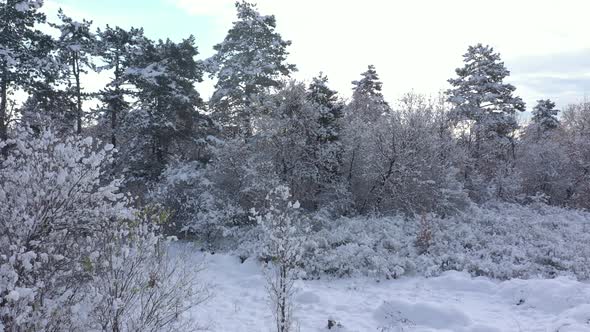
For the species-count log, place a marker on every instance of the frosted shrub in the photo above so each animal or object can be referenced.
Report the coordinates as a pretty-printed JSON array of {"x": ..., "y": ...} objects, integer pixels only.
[
  {"x": 378, "y": 247},
  {"x": 140, "y": 286},
  {"x": 53, "y": 205},
  {"x": 281, "y": 226},
  {"x": 198, "y": 207},
  {"x": 73, "y": 254},
  {"x": 498, "y": 240}
]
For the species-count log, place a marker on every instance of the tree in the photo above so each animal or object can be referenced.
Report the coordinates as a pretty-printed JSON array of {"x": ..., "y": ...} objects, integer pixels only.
[
  {"x": 545, "y": 116},
  {"x": 329, "y": 106},
  {"x": 576, "y": 124},
  {"x": 486, "y": 106},
  {"x": 367, "y": 100},
  {"x": 117, "y": 48},
  {"x": 366, "y": 111},
  {"x": 291, "y": 134},
  {"x": 250, "y": 60},
  {"x": 138, "y": 284},
  {"x": 479, "y": 93},
  {"x": 405, "y": 161},
  {"x": 76, "y": 45},
  {"x": 328, "y": 150},
  {"x": 543, "y": 156},
  {"x": 166, "y": 115},
  {"x": 23, "y": 51}
]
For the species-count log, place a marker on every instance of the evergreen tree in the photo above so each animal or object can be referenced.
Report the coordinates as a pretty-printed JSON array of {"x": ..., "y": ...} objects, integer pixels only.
[
  {"x": 250, "y": 60},
  {"x": 367, "y": 100},
  {"x": 116, "y": 48},
  {"x": 45, "y": 106},
  {"x": 23, "y": 51},
  {"x": 329, "y": 106},
  {"x": 479, "y": 93},
  {"x": 164, "y": 74},
  {"x": 328, "y": 149},
  {"x": 76, "y": 45},
  {"x": 545, "y": 116},
  {"x": 486, "y": 106}
]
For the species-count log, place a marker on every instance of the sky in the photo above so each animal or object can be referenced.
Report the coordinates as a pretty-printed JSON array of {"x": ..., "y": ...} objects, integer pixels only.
[{"x": 414, "y": 44}]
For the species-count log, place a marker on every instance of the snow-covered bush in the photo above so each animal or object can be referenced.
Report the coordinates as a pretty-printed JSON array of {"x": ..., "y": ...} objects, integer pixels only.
[
  {"x": 362, "y": 245},
  {"x": 499, "y": 240},
  {"x": 198, "y": 207},
  {"x": 74, "y": 254},
  {"x": 513, "y": 241},
  {"x": 54, "y": 204},
  {"x": 138, "y": 285}
]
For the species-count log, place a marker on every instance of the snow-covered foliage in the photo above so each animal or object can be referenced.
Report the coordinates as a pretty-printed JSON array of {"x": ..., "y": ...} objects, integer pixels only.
[
  {"x": 282, "y": 242},
  {"x": 138, "y": 285},
  {"x": 418, "y": 186},
  {"x": 24, "y": 53},
  {"x": 198, "y": 206},
  {"x": 75, "y": 45},
  {"x": 293, "y": 136},
  {"x": 367, "y": 101},
  {"x": 54, "y": 203},
  {"x": 117, "y": 49},
  {"x": 73, "y": 254},
  {"x": 545, "y": 115},
  {"x": 479, "y": 91},
  {"x": 250, "y": 60},
  {"x": 166, "y": 117},
  {"x": 485, "y": 107},
  {"x": 499, "y": 240},
  {"x": 577, "y": 139},
  {"x": 403, "y": 162}
]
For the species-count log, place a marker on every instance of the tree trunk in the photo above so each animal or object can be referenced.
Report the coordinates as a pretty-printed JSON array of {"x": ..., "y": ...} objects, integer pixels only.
[
  {"x": 113, "y": 126},
  {"x": 283, "y": 323},
  {"x": 3, "y": 103},
  {"x": 115, "y": 105},
  {"x": 76, "y": 66}
]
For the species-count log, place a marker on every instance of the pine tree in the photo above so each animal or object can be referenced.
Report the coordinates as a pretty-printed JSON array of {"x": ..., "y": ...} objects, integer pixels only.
[
  {"x": 545, "y": 116},
  {"x": 328, "y": 150},
  {"x": 367, "y": 100},
  {"x": 488, "y": 106},
  {"x": 480, "y": 94},
  {"x": 23, "y": 51},
  {"x": 116, "y": 48},
  {"x": 329, "y": 106},
  {"x": 76, "y": 45},
  {"x": 251, "y": 60},
  {"x": 164, "y": 74}
]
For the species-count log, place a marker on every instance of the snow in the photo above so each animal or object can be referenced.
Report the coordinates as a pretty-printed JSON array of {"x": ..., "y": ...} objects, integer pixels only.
[
  {"x": 22, "y": 6},
  {"x": 454, "y": 301}
]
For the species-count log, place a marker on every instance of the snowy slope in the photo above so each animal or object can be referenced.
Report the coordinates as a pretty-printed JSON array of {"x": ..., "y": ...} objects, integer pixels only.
[{"x": 452, "y": 302}]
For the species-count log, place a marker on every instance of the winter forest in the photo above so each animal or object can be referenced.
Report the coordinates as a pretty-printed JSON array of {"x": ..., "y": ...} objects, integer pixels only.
[{"x": 275, "y": 204}]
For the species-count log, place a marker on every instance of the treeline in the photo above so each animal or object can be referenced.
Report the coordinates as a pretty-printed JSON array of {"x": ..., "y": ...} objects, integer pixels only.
[{"x": 210, "y": 162}]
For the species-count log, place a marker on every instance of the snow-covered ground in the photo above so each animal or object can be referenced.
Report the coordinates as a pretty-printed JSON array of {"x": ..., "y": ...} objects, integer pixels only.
[{"x": 452, "y": 302}]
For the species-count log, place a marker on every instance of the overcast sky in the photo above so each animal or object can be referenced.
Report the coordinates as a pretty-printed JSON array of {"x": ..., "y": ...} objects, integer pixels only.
[{"x": 415, "y": 45}]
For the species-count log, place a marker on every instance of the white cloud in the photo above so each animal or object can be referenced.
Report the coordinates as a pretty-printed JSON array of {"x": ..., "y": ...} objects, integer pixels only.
[{"x": 414, "y": 44}]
